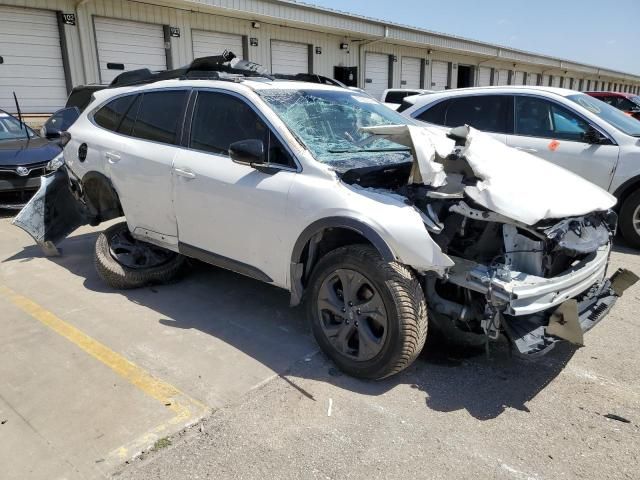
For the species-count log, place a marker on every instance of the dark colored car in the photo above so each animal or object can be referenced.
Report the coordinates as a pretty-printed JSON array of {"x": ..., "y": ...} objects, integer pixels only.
[
  {"x": 24, "y": 157},
  {"x": 627, "y": 102}
]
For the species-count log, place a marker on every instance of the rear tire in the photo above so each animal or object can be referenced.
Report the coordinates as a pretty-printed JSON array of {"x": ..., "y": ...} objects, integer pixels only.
[
  {"x": 630, "y": 214},
  {"x": 125, "y": 263},
  {"x": 368, "y": 315}
]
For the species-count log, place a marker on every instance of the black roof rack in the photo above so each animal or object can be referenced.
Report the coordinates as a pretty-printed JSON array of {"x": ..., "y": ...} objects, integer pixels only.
[{"x": 218, "y": 67}]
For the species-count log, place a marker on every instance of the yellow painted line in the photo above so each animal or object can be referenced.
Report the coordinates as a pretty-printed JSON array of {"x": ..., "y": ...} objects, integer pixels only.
[{"x": 183, "y": 406}]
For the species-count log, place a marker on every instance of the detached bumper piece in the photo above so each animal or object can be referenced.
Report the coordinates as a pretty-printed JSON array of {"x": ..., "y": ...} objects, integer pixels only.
[
  {"x": 53, "y": 212},
  {"x": 535, "y": 335}
]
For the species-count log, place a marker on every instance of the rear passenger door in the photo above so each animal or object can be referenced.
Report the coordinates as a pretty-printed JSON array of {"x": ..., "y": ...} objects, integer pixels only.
[
  {"x": 140, "y": 165},
  {"x": 232, "y": 214},
  {"x": 556, "y": 133}
]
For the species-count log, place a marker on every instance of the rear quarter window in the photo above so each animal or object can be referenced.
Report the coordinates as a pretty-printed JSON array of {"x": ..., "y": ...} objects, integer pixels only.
[{"x": 434, "y": 113}]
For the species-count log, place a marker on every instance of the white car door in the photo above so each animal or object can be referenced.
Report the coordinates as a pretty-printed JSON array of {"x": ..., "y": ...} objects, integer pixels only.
[
  {"x": 139, "y": 157},
  {"x": 556, "y": 133},
  {"x": 232, "y": 214}
]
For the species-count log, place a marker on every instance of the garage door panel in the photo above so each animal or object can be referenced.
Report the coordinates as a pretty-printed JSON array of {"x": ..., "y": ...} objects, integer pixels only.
[
  {"x": 410, "y": 72},
  {"x": 33, "y": 67},
  {"x": 215, "y": 43},
  {"x": 439, "y": 75},
  {"x": 484, "y": 76},
  {"x": 289, "y": 58},
  {"x": 376, "y": 74},
  {"x": 133, "y": 44}
]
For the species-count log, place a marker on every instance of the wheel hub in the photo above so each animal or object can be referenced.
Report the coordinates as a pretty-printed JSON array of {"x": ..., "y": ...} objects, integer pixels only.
[
  {"x": 135, "y": 254},
  {"x": 352, "y": 313}
]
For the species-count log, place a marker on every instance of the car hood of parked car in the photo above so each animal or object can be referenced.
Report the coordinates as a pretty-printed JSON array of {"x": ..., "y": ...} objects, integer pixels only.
[
  {"x": 27, "y": 152},
  {"x": 507, "y": 181}
]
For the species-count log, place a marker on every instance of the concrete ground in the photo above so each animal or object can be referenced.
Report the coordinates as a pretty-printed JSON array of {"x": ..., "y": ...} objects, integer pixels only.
[{"x": 224, "y": 379}]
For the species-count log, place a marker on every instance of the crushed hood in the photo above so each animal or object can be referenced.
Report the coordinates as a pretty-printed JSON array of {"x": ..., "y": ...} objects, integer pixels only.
[{"x": 513, "y": 183}]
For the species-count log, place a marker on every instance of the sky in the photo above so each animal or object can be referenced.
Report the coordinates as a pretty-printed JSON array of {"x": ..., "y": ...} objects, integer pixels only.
[{"x": 602, "y": 33}]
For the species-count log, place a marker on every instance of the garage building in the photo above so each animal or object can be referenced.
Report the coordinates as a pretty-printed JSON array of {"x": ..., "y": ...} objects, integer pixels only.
[{"x": 49, "y": 46}]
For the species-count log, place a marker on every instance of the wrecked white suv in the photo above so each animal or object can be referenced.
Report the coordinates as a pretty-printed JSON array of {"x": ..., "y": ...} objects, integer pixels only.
[{"x": 381, "y": 226}]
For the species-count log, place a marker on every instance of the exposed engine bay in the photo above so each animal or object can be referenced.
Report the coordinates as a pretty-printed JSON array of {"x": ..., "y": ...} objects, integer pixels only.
[{"x": 536, "y": 283}]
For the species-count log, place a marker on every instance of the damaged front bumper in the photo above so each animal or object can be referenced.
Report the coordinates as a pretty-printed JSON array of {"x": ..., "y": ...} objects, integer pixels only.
[
  {"x": 537, "y": 312},
  {"x": 54, "y": 211}
]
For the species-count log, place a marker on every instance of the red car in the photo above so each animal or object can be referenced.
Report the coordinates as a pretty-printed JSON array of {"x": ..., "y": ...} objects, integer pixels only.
[{"x": 629, "y": 103}]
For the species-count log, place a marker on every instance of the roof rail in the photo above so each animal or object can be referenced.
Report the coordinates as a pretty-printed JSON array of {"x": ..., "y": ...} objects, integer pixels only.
[
  {"x": 310, "y": 78},
  {"x": 217, "y": 67}
]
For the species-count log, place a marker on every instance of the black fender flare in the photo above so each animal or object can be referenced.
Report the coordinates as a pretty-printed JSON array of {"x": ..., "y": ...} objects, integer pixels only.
[{"x": 356, "y": 225}]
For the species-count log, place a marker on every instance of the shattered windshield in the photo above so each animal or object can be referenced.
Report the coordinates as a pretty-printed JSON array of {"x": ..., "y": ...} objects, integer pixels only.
[{"x": 328, "y": 122}]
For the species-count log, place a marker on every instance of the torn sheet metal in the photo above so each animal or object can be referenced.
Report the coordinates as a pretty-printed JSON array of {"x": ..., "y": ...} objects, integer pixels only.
[
  {"x": 527, "y": 188},
  {"x": 511, "y": 182},
  {"x": 425, "y": 147},
  {"x": 52, "y": 213}
]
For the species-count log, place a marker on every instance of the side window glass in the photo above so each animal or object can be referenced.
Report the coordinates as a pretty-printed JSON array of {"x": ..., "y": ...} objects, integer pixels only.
[
  {"x": 110, "y": 115},
  {"x": 129, "y": 117},
  {"x": 484, "y": 112},
  {"x": 159, "y": 116},
  {"x": 533, "y": 117},
  {"x": 567, "y": 125},
  {"x": 220, "y": 120},
  {"x": 434, "y": 114}
]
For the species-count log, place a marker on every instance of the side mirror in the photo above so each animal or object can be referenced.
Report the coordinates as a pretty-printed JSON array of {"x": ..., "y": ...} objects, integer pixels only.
[
  {"x": 59, "y": 122},
  {"x": 594, "y": 137},
  {"x": 248, "y": 152}
]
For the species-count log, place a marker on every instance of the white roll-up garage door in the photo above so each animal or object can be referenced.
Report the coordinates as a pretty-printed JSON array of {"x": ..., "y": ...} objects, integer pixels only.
[
  {"x": 129, "y": 45},
  {"x": 410, "y": 73},
  {"x": 518, "y": 78},
  {"x": 439, "y": 75},
  {"x": 206, "y": 44},
  {"x": 484, "y": 76},
  {"x": 532, "y": 79},
  {"x": 376, "y": 74},
  {"x": 545, "y": 80},
  {"x": 289, "y": 58},
  {"x": 503, "y": 77},
  {"x": 32, "y": 61},
  {"x": 556, "y": 81}
]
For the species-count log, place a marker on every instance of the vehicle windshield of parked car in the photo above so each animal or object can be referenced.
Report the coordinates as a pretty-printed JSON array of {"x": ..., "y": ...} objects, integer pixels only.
[
  {"x": 12, "y": 129},
  {"x": 635, "y": 100},
  {"x": 329, "y": 123},
  {"x": 609, "y": 114}
]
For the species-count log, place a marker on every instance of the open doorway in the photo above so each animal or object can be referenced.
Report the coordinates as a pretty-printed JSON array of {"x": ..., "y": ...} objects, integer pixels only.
[{"x": 465, "y": 76}]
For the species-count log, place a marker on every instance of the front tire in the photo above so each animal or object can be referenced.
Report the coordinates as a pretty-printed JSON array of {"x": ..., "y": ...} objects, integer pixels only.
[
  {"x": 369, "y": 316},
  {"x": 125, "y": 263},
  {"x": 630, "y": 219}
]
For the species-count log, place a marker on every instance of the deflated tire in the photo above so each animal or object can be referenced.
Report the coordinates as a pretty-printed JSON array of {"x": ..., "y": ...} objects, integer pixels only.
[{"x": 124, "y": 262}]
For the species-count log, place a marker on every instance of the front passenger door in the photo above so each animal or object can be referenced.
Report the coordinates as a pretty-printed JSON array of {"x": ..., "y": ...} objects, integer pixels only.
[
  {"x": 553, "y": 132},
  {"x": 228, "y": 213}
]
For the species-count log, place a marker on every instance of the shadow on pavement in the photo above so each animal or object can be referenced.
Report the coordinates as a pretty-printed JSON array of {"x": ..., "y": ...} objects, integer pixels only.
[{"x": 255, "y": 318}]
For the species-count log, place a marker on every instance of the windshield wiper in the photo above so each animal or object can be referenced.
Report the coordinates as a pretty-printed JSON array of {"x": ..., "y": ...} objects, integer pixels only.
[{"x": 359, "y": 150}]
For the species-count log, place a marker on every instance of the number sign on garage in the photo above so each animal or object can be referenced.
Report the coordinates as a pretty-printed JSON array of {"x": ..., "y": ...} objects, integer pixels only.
[
  {"x": 32, "y": 65},
  {"x": 206, "y": 44},
  {"x": 289, "y": 58},
  {"x": 123, "y": 45},
  {"x": 410, "y": 72}
]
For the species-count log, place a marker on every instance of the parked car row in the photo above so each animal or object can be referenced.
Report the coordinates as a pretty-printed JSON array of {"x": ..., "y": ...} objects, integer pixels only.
[{"x": 382, "y": 227}]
